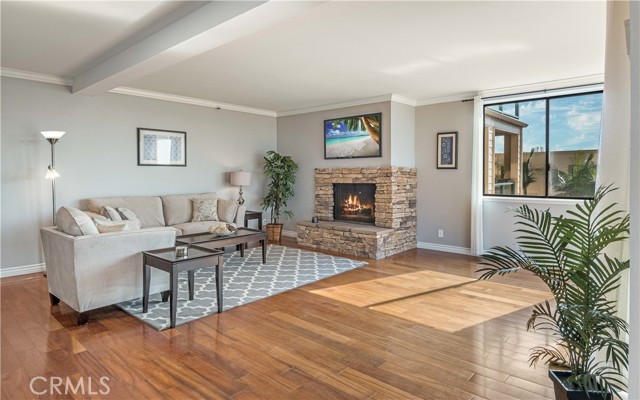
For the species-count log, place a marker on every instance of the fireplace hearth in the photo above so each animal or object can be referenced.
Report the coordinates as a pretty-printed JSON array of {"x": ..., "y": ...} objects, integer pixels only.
[{"x": 354, "y": 202}]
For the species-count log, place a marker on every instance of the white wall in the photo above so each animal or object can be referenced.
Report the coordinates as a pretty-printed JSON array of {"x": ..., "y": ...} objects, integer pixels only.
[
  {"x": 97, "y": 156},
  {"x": 302, "y": 137},
  {"x": 499, "y": 220},
  {"x": 444, "y": 195},
  {"x": 403, "y": 129}
]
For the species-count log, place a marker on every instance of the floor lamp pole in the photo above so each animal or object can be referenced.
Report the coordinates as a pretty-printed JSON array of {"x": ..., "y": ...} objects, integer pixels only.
[
  {"x": 52, "y": 137},
  {"x": 53, "y": 180}
]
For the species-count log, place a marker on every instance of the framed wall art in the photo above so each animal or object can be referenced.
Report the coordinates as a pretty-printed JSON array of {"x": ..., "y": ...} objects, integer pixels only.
[
  {"x": 353, "y": 137},
  {"x": 157, "y": 147},
  {"x": 447, "y": 150}
]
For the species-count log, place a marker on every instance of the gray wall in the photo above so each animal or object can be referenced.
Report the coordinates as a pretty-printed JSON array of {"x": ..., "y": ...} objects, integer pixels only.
[
  {"x": 403, "y": 128},
  {"x": 302, "y": 137},
  {"x": 444, "y": 196},
  {"x": 97, "y": 156}
]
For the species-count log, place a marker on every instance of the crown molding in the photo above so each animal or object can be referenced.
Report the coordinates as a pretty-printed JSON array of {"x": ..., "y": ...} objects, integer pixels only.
[
  {"x": 446, "y": 99},
  {"x": 58, "y": 80},
  {"x": 542, "y": 86},
  {"x": 403, "y": 100},
  {"x": 520, "y": 89},
  {"x": 333, "y": 106},
  {"x": 191, "y": 100},
  {"x": 35, "y": 76}
]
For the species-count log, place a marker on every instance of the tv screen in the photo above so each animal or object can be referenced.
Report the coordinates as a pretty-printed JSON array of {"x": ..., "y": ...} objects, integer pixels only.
[{"x": 353, "y": 137}]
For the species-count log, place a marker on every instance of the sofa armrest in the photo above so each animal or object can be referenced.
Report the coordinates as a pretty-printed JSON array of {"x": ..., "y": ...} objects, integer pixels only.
[
  {"x": 92, "y": 271},
  {"x": 240, "y": 216}
]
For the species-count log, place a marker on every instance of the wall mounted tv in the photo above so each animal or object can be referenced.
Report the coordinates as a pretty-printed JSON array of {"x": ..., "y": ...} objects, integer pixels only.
[{"x": 353, "y": 137}]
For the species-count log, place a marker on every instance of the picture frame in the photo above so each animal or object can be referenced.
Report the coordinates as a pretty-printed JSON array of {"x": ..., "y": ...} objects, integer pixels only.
[
  {"x": 358, "y": 136},
  {"x": 447, "y": 150},
  {"x": 159, "y": 147}
]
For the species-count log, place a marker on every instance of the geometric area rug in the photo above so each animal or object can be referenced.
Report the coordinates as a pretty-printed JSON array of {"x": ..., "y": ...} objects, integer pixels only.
[{"x": 245, "y": 280}]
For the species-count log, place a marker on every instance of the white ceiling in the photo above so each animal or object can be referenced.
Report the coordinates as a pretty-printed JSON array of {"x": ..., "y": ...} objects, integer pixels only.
[{"x": 322, "y": 53}]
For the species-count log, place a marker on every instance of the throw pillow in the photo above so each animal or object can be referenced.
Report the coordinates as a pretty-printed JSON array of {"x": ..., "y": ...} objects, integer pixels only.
[
  {"x": 126, "y": 213},
  {"x": 110, "y": 213},
  {"x": 110, "y": 226},
  {"x": 227, "y": 210},
  {"x": 133, "y": 224},
  {"x": 205, "y": 210},
  {"x": 93, "y": 215},
  {"x": 74, "y": 222}
]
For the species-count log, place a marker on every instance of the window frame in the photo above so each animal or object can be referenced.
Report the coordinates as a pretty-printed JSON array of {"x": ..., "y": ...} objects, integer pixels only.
[{"x": 522, "y": 98}]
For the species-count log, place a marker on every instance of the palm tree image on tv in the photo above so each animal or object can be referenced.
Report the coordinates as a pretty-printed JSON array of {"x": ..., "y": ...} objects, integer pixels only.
[{"x": 353, "y": 136}]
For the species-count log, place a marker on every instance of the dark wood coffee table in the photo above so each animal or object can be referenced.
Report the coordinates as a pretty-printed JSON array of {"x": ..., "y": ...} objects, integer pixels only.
[
  {"x": 166, "y": 260},
  {"x": 238, "y": 238}
]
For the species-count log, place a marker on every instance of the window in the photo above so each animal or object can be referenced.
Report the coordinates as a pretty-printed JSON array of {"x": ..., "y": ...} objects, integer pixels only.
[{"x": 543, "y": 147}]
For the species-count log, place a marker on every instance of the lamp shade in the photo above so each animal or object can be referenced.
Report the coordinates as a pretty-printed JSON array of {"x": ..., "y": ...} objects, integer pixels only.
[
  {"x": 51, "y": 173},
  {"x": 241, "y": 178},
  {"x": 52, "y": 134}
]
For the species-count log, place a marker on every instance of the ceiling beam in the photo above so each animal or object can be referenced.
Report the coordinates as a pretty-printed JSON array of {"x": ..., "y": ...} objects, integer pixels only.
[{"x": 208, "y": 27}]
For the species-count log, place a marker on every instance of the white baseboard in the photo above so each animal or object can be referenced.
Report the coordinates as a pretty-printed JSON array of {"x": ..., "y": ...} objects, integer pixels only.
[
  {"x": 293, "y": 234},
  {"x": 444, "y": 247},
  {"x": 21, "y": 270}
]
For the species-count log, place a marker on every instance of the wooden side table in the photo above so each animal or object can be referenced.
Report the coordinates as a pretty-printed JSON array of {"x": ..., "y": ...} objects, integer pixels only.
[
  {"x": 251, "y": 215},
  {"x": 166, "y": 260}
]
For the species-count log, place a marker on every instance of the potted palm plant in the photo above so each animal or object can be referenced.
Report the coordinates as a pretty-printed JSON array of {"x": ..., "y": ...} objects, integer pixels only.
[
  {"x": 566, "y": 252},
  {"x": 281, "y": 172}
]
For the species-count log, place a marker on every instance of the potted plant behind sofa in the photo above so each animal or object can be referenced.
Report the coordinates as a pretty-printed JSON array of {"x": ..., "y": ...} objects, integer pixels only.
[
  {"x": 281, "y": 172},
  {"x": 566, "y": 252}
]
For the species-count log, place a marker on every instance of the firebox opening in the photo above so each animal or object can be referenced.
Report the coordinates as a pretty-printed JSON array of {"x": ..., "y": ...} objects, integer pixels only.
[{"x": 354, "y": 202}]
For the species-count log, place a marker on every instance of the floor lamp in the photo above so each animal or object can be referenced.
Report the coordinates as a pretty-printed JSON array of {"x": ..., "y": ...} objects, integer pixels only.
[{"x": 52, "y": 137}]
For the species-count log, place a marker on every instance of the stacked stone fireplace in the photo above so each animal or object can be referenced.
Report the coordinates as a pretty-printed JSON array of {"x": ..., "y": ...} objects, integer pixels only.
[{"x": 378, "y": 230}]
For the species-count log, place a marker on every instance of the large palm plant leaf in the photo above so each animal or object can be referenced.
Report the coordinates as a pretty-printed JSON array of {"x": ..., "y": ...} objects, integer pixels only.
[{"x": 567, "y": 254}]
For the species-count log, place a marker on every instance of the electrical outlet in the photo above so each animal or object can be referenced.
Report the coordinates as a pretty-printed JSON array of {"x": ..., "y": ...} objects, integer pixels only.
[
  {"x": 440, "y": 233},
  {"x": 264, "y": 221}
]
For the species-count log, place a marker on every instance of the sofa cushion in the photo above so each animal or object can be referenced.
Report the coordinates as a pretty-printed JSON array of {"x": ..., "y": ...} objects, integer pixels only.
[
  {"x": 227, "y": 210},
  {"x": 148, "y": 209},
  {"x": 111, "y": 226},
  {"x": 110, "y": 213},
  {"x": 198, "y": 227},
  {"x": 205, "y": 210},
  {"x": 75, "y": 222},
  {"x": 178, "y": 208}
]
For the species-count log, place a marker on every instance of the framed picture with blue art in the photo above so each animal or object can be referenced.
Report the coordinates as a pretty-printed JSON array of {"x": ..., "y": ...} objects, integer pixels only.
[
  {"x": 447, "y": 150},
  {"x": 157, "y": 147}
]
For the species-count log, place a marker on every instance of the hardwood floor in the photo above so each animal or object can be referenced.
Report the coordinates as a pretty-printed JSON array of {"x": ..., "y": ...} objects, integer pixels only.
[{"x": 296, "y": 345}]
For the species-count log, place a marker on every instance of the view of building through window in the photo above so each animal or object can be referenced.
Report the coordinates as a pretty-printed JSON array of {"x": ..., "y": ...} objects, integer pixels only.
[{"x": 542, "y": 147}]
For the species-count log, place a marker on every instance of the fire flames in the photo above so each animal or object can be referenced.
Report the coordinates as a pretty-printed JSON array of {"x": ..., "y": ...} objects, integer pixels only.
[{"x": 352, "y": 204}]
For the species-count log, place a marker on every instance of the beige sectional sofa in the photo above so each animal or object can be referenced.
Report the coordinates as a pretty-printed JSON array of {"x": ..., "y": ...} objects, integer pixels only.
[{"x": 91, "y": 271}]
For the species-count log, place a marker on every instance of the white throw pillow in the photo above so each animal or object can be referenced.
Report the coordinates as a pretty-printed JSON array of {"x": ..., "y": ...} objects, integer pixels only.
[
  {"x": 205, "y": 210},
  {"x": 227, "y": 210},
  {"x": 110, "y": 226},
  {"x": 110, "y": 213},
  {"x": 93, "y": 215},
  {"x": 125, "y": 213},
  {"x": 133, "y": 224},
  {"x": 75, "y": 222}
]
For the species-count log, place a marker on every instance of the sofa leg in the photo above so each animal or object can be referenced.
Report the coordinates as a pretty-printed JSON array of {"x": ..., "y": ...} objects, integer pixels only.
[
  {"x": 53, "y": 299},
  {"x": 165, "y": 295},
  {"x": 83, "y": 318}
]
